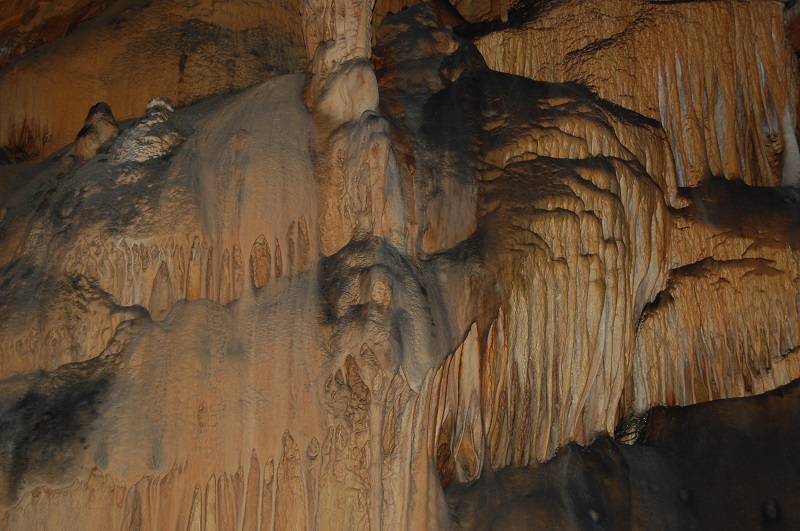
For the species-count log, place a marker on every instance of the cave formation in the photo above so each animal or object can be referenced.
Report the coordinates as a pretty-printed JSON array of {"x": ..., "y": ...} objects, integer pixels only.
[{"x": 388, "y": 264}]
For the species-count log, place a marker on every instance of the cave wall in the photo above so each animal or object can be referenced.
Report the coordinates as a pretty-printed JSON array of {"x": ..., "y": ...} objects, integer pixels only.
[{"x": 300, "y": 268}]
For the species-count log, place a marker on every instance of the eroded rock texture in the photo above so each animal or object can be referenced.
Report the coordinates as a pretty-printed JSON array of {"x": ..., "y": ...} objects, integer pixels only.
[
  {"x": 136, "y": 50},
  {"x": 718, "y": 75},
  {"x": 711, "y": 466},
  {"x": 379, "y": 293},
  {"x": 26, "y": 24}
]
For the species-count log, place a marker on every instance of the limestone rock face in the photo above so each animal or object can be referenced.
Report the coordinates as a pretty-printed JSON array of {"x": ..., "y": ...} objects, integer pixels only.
[
  {"x": 26, "y": 24},
  {"x": 379, "y": 293},
  {"x": 699, "y": 466},
  {"x": 454, "y": 13},
  {"x": 149, "y": 138},
  {"x": 99, "y": 130},
  {"x": 137, "y": 50},
  {"x": 723, "y": 88}
]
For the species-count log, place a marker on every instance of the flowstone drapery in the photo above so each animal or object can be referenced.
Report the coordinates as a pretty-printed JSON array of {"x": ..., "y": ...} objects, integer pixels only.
[{"x": 380, "y": 292}]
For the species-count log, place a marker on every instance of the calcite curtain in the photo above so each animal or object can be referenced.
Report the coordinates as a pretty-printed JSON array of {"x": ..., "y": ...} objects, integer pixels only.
[{"x": 386, "y": 264}]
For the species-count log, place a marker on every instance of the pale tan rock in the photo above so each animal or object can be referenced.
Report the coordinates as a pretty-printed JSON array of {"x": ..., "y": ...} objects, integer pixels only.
[
  {"x": 237, "y": 276},
  {"x": 260, "y": 262},
  {"x": 723, "y": 90},
  {"x": 63, "y": 321},
  {"x": 139, "y": 262},
  {"x": 453, "y": 13},
  {"x": 345, "y": 24},
  {"x": 713, "y": 342},
  {"x": 489, "y": 269},
  {"x": 360, "y": 187},
  {"x": 152, "y": 136},
  {"x": 340, "y": 86},
  {"x": 475, "y": 10},
  {"x": 343, "y": 94},
  {"x": 194, "y": 271},
  {"x": 454, "y": 393},
  {"x": 99, "y": 131},
  {"x": 25, "y": 25},
  {"x": 140, "y": 50},
  {"x": 290, "y": 506},
  {"x": 278, "y": 260}
]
